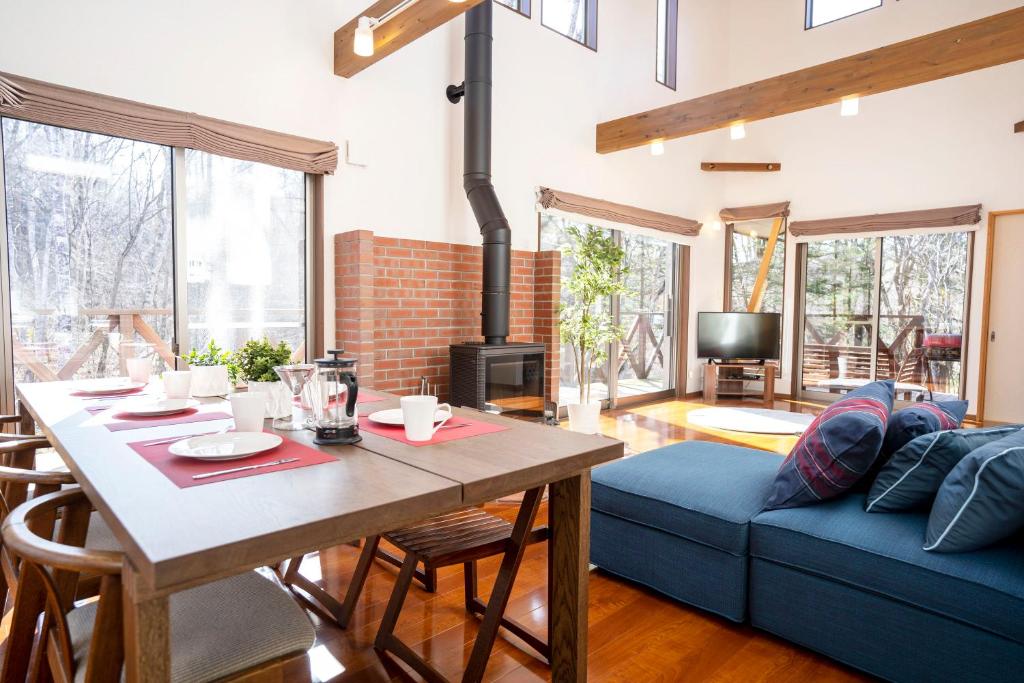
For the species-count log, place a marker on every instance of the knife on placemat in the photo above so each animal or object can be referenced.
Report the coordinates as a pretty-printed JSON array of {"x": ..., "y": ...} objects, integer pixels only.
[{"x": 218, "y": 473}]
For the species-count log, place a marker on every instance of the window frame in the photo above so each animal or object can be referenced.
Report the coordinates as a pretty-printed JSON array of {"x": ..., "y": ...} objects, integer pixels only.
[
  {"x": 589, "y": 30},
  {"x": 312, "y": 267},
  {"x": 671, "y": 56},
  {"x": 809, "y": 14},
  {"x": 522, "y": 7}
]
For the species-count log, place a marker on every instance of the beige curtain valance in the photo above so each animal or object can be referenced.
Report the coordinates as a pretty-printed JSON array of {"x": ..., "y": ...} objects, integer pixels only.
[
  {"x": 617, "y": 213},
  {"x": 886, "y": 222},
  {"x": 753, "y": 213},
  {"x": 57, "y": 105}
]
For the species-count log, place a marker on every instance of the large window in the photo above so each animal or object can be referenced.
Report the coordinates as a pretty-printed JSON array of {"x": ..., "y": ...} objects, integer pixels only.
[
  {"x": 92, "y": 246},
  {"x": 575, "y": 19},
  {"x": 521, "y": 6},
  {"x": 643, "y": 361},
  {"x": 824, "y": 11},
  {"x": 756, "y": 275},
  {"x": 886, "y": 308},
  {"x": 667, "y": 50}
]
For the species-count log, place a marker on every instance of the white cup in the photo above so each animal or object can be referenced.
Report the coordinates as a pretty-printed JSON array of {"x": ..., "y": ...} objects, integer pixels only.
[
  {"x": 248, "y": 410},
  {"x": 139, "y": 369},
  {"x": 177, "y": 383},
  {"x": 418, "y": 414}
]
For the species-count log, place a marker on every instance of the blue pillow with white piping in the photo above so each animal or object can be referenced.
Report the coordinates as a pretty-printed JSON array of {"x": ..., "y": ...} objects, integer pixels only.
[
  {"x": 920, "y": 418},
  {"x": 914, "y": 473},
  {"x": 981, "y": 501}
]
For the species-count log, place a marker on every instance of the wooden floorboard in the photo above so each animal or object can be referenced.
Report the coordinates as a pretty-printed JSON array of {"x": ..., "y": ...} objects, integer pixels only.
[{"x": 635, "y": 633}]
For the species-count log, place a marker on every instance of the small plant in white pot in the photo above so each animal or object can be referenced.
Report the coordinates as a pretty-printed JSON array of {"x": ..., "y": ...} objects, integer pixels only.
[
  {"x": 256, "y": 361},
  {"x": 212, "y": 370},
  {"x": 585, "y": 322}
]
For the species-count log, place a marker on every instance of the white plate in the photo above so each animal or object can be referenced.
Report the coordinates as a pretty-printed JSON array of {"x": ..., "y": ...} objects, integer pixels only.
[
  {"x": 394, "y": 417},
  {"x": 229, "y": 446},
  {"x": 109, "y": 386},
  {"x": 156, "y": 406}
]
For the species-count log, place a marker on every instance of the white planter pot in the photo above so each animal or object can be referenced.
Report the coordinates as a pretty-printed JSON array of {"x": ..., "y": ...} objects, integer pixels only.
[
  {"x": 210, "y": 380},
  {"x": 279, "y": 399},
  {"x": 583, "y": 417},
  {"x": 844, "y": 363}
]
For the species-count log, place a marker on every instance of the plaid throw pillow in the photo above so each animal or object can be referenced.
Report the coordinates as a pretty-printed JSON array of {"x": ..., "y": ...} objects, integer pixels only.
[
  {"x": 919, "y": 419},
  {"x": 836, "y": 450}
]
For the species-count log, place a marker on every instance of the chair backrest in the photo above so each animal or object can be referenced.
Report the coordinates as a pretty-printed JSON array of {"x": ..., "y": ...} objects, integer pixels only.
[{"x": 50, "y": 570}]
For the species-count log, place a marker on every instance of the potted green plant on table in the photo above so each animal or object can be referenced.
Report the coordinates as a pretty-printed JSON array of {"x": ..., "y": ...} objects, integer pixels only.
[
  {"x": 212, "y": 370},
  {"x": 255, "y": 362},
  {"x": 585, "y": 320}
]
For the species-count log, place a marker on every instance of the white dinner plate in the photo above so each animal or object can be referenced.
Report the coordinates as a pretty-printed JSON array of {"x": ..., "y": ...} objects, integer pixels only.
[
  {"x": 109, "y": 386},
  {"x": 394, "y": 417},
  {"x": 229, "y": 446},
  {"x": 156, "y": 406}
]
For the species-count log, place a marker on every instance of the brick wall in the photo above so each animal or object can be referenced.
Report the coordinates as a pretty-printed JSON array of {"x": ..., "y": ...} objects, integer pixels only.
[{"x": 399, "y": 303}]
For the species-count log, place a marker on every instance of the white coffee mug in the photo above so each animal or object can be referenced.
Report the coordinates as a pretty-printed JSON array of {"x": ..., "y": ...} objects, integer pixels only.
[
  {"x": 248, "y": 410},
  {"x": 177, "y": 383},
  {"x": 418, "y": 413},
  {"x": 139, "y": 369}
]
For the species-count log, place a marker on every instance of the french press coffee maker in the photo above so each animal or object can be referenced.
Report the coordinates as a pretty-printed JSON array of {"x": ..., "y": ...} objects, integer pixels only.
[{"x": 337, "y": 423}]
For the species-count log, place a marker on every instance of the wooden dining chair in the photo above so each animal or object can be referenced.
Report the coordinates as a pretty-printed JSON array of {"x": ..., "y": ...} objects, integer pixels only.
[
  {"x": 462, "y": 537},
  {"x": 245, "y": 627}
]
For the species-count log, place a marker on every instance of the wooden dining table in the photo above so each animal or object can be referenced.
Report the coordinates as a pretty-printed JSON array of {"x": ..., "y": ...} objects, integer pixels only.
[{"x": 177, "y": 538}]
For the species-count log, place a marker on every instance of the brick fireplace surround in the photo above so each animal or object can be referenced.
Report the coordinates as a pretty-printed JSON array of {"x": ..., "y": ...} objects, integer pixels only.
[{"x": 399, "y": 303}]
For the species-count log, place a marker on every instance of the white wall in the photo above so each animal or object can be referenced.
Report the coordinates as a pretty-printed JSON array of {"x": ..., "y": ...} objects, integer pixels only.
[{"x": 944, "y": 143}]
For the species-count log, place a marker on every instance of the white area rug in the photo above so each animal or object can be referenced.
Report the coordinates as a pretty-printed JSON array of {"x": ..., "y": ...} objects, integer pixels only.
[{"x": 753, "y": 420}]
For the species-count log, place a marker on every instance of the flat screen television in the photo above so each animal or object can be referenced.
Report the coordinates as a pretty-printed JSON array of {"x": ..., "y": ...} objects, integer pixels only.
[{"x": 739, "y": 336}]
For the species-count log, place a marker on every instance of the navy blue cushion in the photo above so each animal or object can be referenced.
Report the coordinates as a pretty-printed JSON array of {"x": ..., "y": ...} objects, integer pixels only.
[
  {"x": 702, "y": 491},
  {"x": 836, "y": 450},
  {"x": 921, "y": 418},
  {"x": 915, "y": 472},
  {"x": 882, "y": 554},
  {"x": 982, "y": 500}
]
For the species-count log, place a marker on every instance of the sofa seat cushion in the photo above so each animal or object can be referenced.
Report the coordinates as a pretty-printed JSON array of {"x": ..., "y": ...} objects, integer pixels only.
[
  {"x": 701, "y": 491},
  {"x": 882, "y": 554}
]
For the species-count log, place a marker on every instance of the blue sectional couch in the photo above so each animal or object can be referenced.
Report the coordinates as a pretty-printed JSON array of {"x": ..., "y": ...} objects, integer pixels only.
[{"x": 685, "y": 520}]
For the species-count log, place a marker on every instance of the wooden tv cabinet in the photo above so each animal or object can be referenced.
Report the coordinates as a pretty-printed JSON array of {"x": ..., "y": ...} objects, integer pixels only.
[{"x": 728, "y": 380}]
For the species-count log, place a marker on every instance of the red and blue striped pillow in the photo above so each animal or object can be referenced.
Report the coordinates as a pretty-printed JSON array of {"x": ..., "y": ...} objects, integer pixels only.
[
  {"x": 920, "y": 419},
  {"x": 836, "y": 450}
]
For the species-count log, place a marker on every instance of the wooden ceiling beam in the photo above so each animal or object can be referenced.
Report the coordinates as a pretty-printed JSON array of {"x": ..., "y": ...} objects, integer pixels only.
[
  {"x": 417, "y": 20},
  {"x": 991, "y": 41},
  {"x": 1019, "y": 127}
]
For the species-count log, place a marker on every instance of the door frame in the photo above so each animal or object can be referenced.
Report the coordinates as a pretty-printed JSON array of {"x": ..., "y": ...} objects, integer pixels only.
[{"x": 990, "y": 244}]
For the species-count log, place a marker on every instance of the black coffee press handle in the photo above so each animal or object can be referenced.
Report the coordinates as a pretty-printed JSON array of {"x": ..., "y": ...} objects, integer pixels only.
[{"x": 350, "y": 381}]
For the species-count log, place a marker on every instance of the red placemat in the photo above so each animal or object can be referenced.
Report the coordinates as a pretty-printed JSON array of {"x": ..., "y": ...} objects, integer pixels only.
[
  {"x": 470, "y": 428},
  {"x": 363, "y": 397},
  {"x": 121, "y": 421},
  {"x": 180, "y": 470}
]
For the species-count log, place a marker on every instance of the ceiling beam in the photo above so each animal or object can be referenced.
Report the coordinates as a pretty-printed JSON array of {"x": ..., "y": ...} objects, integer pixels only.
[
  {"x": 417, "y": 20},
  {"x": 725, "y": 166},
  {"x": 1019, "y": 127},
  {"x": 994, "y": 40}
]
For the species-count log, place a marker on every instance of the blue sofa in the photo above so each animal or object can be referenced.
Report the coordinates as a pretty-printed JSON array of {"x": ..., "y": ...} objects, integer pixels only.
[{"x": 686, "y": 521}]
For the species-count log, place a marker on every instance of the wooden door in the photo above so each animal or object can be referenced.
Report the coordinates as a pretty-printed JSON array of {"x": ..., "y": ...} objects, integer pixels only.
[{"x": 1004, "y": 385}]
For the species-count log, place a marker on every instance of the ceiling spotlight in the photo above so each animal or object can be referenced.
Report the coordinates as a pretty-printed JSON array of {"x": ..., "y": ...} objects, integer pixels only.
[
  {"x": 849, "y": 106},
  {"x": 657, "y": 148},
  {"x": 363, "y": 45},
  {"x": 737, "y": 131}
]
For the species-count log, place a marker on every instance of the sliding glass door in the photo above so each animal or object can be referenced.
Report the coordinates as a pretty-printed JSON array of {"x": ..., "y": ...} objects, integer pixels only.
[
  {"x": 89, "y": 252},
  {"x": 641, "y": 364},
  {"x": 885, "y": 308},
  {"x": 112, "y": 248}
]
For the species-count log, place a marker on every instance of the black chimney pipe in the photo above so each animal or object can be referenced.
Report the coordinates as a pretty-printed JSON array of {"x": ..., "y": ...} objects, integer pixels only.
[{"x": 494, "y": 227}]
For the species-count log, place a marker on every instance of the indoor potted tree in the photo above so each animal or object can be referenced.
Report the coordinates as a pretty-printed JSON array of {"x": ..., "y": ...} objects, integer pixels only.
[
  {"x": 585, "y": 321},
  {"x": 255, "y": 362},
  {"x": 212, "y": 370}
]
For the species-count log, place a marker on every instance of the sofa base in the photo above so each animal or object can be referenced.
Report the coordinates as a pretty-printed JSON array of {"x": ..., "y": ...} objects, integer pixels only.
[
  {"x": 878, "y": 635},
  {"x": 690, "y": 572}
]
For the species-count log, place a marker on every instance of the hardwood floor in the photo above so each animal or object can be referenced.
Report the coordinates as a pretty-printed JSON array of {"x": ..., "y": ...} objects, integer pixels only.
[{"x": 635, "y": 634}]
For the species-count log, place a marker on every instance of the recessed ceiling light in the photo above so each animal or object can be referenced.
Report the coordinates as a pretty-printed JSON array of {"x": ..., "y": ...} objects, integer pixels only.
[{"x": 737, "y": 131}]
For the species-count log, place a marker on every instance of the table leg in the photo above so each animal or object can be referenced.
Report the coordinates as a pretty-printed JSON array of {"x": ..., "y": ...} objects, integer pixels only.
[
  {"x": 569, "y": 573},
  {"x": 147, "y": 633},
  {"x": 26, "y": 425}
]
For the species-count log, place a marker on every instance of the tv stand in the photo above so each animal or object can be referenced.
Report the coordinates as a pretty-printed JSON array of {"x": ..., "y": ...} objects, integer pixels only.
[{"x": 728, "y": 380}]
